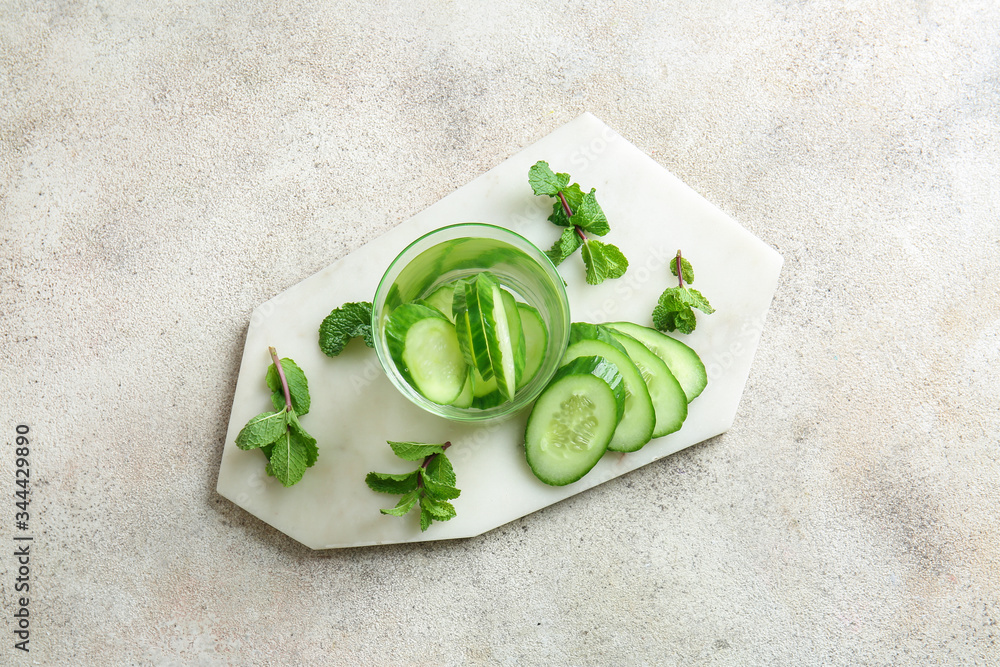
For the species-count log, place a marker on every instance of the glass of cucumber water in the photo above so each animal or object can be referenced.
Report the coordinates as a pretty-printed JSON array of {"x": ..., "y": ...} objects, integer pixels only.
[{"x": 471, "y": 322}]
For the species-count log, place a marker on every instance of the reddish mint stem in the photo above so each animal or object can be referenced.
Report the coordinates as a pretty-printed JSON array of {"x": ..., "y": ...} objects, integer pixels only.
[
  {"x": 680, "y": 273},
  {"x": 566, "y": 208},
  {"x": 281, "y": 376},
  {"x": 569, "y": 214}
]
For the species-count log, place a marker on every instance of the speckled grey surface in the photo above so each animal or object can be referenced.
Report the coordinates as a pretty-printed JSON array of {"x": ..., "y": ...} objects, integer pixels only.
[{"x": 166, "y": 167}]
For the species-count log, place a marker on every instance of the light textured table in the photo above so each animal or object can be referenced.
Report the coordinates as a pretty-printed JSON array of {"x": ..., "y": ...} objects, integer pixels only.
[{"x": 165, "y": 168}]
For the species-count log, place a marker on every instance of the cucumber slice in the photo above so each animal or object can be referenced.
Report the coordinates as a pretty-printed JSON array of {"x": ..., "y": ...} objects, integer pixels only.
[
  {"x": 669, "y": 401},
  {"x": 442, "y": 299},
  {"x": 507, "y": 343},
  {"x": 585, "y": 331},
  {"x": 490, "y": 332},
  {"x": 465, "y": 397},
  {"x": 478, "y": 325},
  {"x": 536, "y": 340},
  {"x": 481, "y": 387},
  {"x": 424, "y": 346},
  {"x": 682, "y": 361},
  {"x": 636, "y": 426},
  {"x": 488, "y": 401},
  {"x": 573, "y": 421}
]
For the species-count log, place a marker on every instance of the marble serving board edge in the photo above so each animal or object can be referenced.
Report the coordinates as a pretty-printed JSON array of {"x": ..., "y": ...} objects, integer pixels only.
[{"x": 355, "y": 408}]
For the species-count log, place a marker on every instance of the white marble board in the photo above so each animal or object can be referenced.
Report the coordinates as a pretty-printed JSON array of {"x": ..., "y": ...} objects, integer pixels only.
[{"x": 355, "y": 409}]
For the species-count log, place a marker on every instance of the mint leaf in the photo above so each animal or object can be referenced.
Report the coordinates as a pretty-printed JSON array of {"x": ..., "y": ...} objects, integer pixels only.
[
  {"x": 309, "y": 442},
  {"x": 565, "y": 246},
  {"x": 438, "y": 490},
  {"x": 262, "y": 430},
  {"x": 573, "y": 195},
  {"x": 298, "y": 386},
  {"x": 439, "y": 470},
  {"x": 279, "y": 435},
  {"x": 404, "y": 505},
  {"x": 341, "y": 325},
  {"x": 414, "y": 451},
  {"x": 673, "y": 311},
  {"x": 699, "y": 302},
  {"x": 440, "y": 510},
  {"x": 589, "y": 216},
  {"x": 431, "y": 485},
  {"x": 392, "y": 483},
  {"x": 603, "y": 261},
  {"x": 687, "y": 271},
  {"x": 544, "y": 181},
  {"x": 289, "y": 456},
  {"x": 679, "y": 320},
  {"x": 581, "y": 214}
]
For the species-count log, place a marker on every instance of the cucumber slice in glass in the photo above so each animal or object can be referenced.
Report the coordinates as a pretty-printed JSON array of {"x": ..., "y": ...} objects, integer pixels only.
[
  {"x": 479, "y": 326},
  {"x": 669, "y": 401},
  {"x": 490, "y": 333},
  {"x": 573, "y": 420},
  {"x": 442, "y": 299},
  {"x": 481, "y": 387},
  {"x": 682, "y": 361},
  {"x": 424, "y": 346},
  {"x": 509, "y": 342},
  {"x": 636, "y": 426},
  {"x": 536, "y": 340},
  {"x": 465, "y": 397}
]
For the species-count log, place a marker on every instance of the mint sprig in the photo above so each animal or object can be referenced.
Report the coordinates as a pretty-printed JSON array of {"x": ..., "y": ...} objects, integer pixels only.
[
  {"x": 351, "y": 320},
  {"x": 674, "y": 310},
  {"x": 288, "y": 447},
  {"x": 581, "y": 214},
  {"x": 429, "y": 487}
]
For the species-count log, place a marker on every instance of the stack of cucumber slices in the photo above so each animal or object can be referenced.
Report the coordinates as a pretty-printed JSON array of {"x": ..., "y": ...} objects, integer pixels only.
[
  {"x": 469, "y": 344},
  {"x": 621, "y": 385}
]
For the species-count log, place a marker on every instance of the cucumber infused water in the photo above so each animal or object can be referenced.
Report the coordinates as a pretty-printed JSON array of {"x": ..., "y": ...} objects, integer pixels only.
[{"x": 471, "y": 322}]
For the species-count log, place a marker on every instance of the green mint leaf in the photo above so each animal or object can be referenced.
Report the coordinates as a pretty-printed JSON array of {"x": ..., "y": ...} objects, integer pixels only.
[
  {"x": 404, "y": 505},
  {"x": 431, "y": 485},
  {"x": 414, "y": 451},
  {"x": 439, "y": 470},
  {"x": 262, "y": 430},
  {"x": 298, "y": 386},
  {"x": 687, "y": 271},
  {"x": 699, "y": 302},
  {"x": 309, "y": 442},
  {"x": 663, "y": 319},
  {"x": 289, "y": 456},
  {"x": 574, "y": 196},
  {"x": 436, "y": 489},
  {"x": 674, "y": 299},
  {"x": 589, "y": 215},
  {"x": 673, "y": 311},
  {"x": 392, "y": 483},
  {"x": 567, "y": 244},
  {"x": 603, "y": 261},
  {"x": 440, "y": 510},
  {"x": 343, "y": 324},
  {"x": 685, "y": 321},
  {"x": 544, "y": 181}
]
